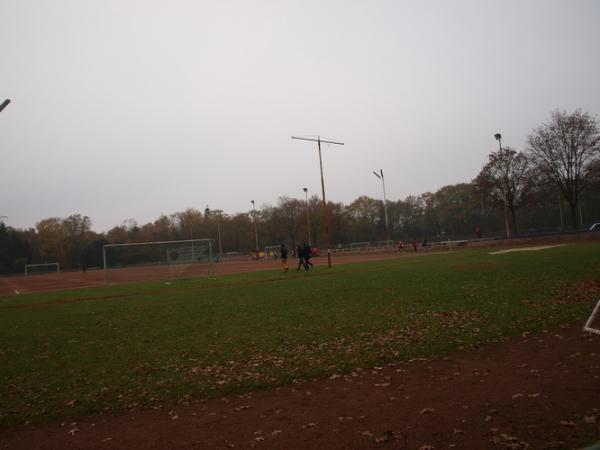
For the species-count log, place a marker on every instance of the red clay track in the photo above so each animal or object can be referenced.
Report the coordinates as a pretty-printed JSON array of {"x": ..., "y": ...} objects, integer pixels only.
[{"x": 15, "y": 285}]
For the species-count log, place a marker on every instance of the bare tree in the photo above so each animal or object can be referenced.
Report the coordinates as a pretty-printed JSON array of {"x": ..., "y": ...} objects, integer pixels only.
[
  {"x": 563, "y": 149},
  {"x": 507, "y": 177}
]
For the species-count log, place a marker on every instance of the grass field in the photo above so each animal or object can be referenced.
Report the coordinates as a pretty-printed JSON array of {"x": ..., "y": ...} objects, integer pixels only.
[{"x": 72, "y": 353}]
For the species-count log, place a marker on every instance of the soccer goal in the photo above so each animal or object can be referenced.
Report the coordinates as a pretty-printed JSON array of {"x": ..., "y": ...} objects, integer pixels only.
[
  {"x": 593, "y": 323},
  {"x": 384, "y": 244},
  {"x": 38, "y": 269},
  {"x": 273, "y": 251},
  {"x": 158, "y": 260},
  {"x": 360, "y": 245}
]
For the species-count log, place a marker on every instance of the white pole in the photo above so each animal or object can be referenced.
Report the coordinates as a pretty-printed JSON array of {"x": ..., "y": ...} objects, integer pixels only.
[{"x": 588, "y": 325}]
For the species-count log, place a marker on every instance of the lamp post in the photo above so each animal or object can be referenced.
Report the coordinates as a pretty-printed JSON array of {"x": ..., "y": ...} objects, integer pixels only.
[
  {"x": 307, "y": 216},
  {"x": 206, "y": 214},
  {"x": 255, "y": 228},
  {"x": 325, "y": 212},
  {"x": 498, "y": 137},
  {"x": 4, "y": 104},
  {"x": 219, "y": 234},
  {"x": 387, "y": 229}
]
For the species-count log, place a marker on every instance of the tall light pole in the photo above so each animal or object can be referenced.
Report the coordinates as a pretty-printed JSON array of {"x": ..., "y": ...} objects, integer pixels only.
[
  {"x": 325, "y": 213},
  {"x": 206, "y": 212},
  {"x": 307, "y": 216},
  {"x": 387, "y": 229},
  {"x": 4, "y": 104},
  {"x": 498, "y": 137},
  {"x": 219, "y": 234},
  {"x": 255, "y": 228}
]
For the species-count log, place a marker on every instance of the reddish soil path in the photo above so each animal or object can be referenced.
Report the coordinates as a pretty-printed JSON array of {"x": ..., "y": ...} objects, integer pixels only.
[
  {"x": 14, "y": 285},
  {"x": 539, "y": 391}
]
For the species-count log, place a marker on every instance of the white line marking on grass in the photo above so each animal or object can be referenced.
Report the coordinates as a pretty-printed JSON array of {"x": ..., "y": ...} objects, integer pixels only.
[{"x": 526, "y": 249}]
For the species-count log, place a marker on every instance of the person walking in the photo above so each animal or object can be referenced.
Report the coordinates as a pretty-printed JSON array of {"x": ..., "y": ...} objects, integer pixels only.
[
  {"x": 283, "y": 253},
  {"x": 300, "y": 255},
  {"x": 307, "y": 256}
]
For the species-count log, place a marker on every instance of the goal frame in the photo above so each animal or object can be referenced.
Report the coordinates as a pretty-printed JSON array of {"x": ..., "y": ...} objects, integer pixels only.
[
  {"x": 277, "y": 251},
  {"x": 27, "y": 273},
  {"x": 211, "y": 268},
  {"x": 360, "y": 246},
  {"x": 588, "y": 325}
]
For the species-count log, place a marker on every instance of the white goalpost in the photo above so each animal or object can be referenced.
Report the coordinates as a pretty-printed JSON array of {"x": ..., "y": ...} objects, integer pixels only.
[
  {"x": 592, "y": 325},
  {"x": 43, "y": 268},
  {"x": 272, "y": 251},
  {"x": 360, "y": 245},
  {"x": 139, "y": 261}
]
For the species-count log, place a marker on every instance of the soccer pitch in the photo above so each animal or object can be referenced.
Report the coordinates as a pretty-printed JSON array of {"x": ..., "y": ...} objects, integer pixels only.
[{"x": 144, "y": 345}]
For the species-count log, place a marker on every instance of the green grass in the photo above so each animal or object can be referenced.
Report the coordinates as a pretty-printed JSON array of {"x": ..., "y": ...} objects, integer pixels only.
[{"x": 66, "y": 354}]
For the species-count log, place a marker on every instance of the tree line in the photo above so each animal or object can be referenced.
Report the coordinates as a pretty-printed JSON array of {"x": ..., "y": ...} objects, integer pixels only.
[{"x": 554, "y": 183}]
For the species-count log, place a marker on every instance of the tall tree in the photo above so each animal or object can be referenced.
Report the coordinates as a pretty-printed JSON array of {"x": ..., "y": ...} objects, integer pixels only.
[
  {"x": 51, "y": 240},
  {"x": 507, "y": 176},
  {"x": 563, "y": 149},
  {"x": 76, "y": 237},
  {"x": 15, "y": 251}
]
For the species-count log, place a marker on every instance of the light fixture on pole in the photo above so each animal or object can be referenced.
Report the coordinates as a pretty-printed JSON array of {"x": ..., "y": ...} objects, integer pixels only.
[
  {"x": 498, "y": 137},
  {"x": 387, "y": 229},
  {"x": 4, "y": 104},
  {"x": 307, "y": 216},
  {"x": 325, "y": 212},
  {"x": 255, "y": 228}
]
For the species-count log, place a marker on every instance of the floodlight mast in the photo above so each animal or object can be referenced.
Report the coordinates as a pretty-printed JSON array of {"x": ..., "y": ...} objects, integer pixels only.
[
  {"x": 307, "y": 217},
  {"x": 325, "y": 213},
  {"x": 255, "y": 228},
  {"x": 498, "y": 137},
  {"x": 387, "y": 229}
]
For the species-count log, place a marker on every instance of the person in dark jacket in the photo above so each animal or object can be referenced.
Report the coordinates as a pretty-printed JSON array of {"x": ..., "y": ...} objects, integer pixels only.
[
  {"x": 301, "y": 258},
  {"x": 283, "y": 253},
  {"x": 307, "y": 256}
]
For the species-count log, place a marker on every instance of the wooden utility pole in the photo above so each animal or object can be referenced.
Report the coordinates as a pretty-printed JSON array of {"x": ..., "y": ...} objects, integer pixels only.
[{"x": 325, "y": 212}]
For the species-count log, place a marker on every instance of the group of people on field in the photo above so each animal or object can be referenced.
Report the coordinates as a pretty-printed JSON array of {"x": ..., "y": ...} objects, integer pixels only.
[{"x": 303, "y": 252}]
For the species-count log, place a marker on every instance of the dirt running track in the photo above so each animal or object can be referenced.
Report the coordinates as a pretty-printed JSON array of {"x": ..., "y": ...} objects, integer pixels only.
[
  {"x": 14, "y": 285},
  {"x": 539, "y": 391}
]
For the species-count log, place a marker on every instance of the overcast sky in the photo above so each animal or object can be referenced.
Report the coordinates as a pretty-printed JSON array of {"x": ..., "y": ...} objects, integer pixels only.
[{"x": 129, "y": 109}]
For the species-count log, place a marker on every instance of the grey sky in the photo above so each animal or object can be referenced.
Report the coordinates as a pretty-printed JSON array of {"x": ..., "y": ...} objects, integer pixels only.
[{"x": 136, "y": 108}]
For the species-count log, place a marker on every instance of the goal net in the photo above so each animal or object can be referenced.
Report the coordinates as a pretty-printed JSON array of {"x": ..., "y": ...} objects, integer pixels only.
[
  {"x": 384, "y": 244},
  {"x": 38, "y": 269},
  {"x": 273, "y": 251},
  {"x": 360, "y": 245},
  {"x": 593, "y": 323},
  {"x": 158, "y": 260}
]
